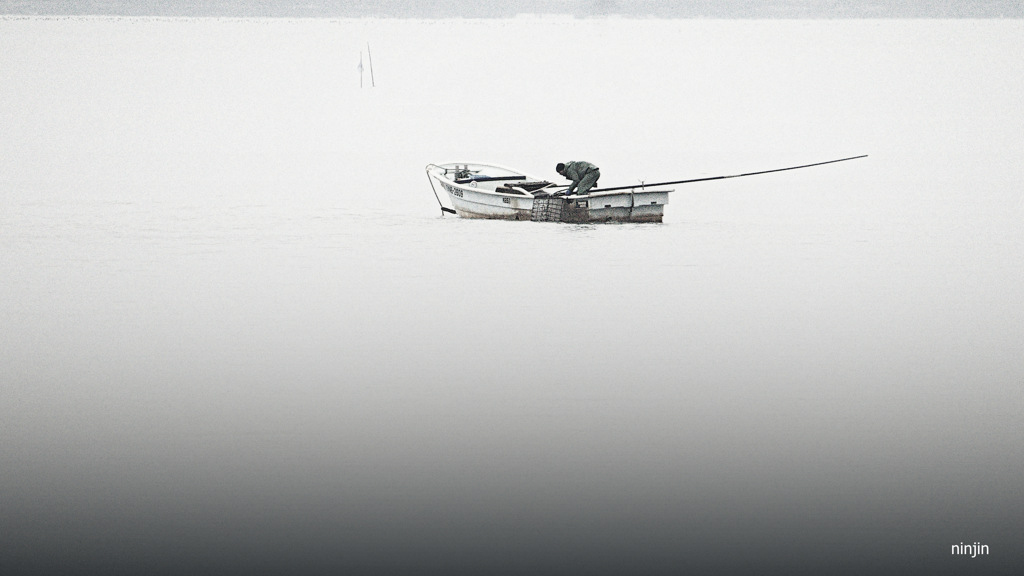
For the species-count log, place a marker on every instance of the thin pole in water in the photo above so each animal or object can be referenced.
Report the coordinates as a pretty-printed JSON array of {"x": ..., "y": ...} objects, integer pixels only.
[
  {"x": 360, "y": 68},
  {"x": 370, "y": 58},
  {"x": 724, "y": 177}
]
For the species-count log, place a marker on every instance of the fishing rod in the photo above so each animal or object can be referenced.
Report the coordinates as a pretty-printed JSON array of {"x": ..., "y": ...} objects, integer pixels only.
[{"x": 724, "y": 177}]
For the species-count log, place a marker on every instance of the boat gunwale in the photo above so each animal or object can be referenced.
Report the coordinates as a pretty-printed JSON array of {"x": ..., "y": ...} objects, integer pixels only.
[{"x": 444, "y": 165}]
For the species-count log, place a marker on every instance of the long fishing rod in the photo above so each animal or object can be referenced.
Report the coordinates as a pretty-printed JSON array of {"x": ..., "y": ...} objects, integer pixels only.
[{"x": 724, "y": 177}]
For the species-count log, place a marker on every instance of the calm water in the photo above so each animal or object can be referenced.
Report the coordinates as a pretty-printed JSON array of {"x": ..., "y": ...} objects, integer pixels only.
[{"x": 238, "y": 336}]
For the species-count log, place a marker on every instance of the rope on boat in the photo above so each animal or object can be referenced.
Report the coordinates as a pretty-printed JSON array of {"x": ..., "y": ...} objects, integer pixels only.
[{"x": 431, "y": 180}]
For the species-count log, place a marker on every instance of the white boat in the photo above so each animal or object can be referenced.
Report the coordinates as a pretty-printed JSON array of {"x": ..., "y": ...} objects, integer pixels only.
[{"x": 480, "y": 190}]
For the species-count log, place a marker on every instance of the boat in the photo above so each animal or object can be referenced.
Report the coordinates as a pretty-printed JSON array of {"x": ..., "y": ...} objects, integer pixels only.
[{"x": 481, "y": 190}]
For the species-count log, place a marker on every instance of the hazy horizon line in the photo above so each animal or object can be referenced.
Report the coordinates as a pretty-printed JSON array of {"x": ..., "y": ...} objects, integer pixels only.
[{"x": 440, "y": 9}]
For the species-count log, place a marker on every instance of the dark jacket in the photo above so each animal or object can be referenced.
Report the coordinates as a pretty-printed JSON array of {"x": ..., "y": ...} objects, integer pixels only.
[{"x": 575, "y": 170}]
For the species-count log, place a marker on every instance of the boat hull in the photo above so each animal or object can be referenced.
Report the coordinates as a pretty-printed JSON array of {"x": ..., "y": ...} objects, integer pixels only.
[
  {"x": 470, "y": 203},
  {"x": 639, "y": 206},
  {"x": 484, "y": 196}
]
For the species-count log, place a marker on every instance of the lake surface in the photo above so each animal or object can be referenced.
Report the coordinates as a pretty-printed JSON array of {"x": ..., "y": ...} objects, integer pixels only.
[{"x": 238, "y": 336}]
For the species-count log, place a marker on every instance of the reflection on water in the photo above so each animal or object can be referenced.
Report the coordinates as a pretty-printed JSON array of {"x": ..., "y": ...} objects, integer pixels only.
[{"x": 343, "y": 375}]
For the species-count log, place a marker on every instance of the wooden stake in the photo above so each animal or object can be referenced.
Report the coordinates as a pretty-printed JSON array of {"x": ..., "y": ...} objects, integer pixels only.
[{"x": 370, "y": 58}]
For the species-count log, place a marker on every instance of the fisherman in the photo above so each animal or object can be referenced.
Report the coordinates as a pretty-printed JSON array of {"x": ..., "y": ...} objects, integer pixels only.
[{"x": 584, "y": 176}]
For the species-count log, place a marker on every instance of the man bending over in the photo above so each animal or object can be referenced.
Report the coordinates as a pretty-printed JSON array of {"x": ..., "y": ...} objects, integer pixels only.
[{"x": 583, "y": 175}]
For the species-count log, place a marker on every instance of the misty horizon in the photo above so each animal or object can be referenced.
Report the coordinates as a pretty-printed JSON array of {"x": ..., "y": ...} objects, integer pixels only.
[{"x": 738, "y": 9}]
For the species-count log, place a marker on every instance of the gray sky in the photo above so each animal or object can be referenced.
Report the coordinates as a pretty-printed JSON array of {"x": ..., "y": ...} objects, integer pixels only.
[{"x": 476, "y": 9}]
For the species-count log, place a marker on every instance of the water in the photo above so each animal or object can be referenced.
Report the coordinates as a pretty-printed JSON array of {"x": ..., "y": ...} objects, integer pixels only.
[{"x": 239, "y": 336}]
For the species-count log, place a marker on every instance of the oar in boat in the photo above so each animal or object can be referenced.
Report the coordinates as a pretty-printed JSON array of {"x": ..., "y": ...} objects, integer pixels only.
[{"x": 724, "y": 177}]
